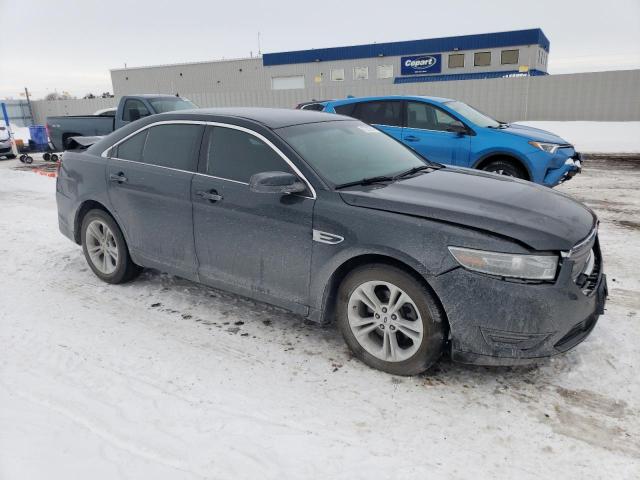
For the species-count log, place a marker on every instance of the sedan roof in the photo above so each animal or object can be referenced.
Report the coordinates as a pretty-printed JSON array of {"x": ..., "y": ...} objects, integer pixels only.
[{"x": 269, "y": 117}]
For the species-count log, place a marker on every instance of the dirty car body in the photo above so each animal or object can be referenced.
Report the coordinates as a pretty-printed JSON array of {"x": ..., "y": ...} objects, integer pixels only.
[{"x": 294, "y": 249}]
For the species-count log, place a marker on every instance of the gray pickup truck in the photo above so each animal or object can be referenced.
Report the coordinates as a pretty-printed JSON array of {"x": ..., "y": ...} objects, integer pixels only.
[{"x": 130, "y": 109}]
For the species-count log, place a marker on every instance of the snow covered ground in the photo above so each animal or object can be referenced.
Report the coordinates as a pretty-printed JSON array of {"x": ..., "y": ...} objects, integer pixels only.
[
  {"x": 166, "y": 379},
  {"x": 596, "y": 137}
]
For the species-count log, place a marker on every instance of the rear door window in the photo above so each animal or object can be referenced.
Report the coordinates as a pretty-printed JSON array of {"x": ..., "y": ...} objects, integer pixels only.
[
  {"x": 131, "y": 149},
  {"x": 346, "y": 109},
  {"x": 236, "y": 155},
  {"x": 173, "y": 146},
  {"x": 380, "y": 113},
  {"x": 133, "y": 110}
]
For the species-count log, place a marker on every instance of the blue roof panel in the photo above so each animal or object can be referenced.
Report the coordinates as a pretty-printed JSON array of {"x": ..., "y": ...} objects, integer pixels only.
[{"x": 534, "y": 36}]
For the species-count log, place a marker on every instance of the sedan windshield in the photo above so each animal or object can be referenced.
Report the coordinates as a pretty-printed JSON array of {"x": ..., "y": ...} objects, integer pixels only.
[
  {"x": 349, "y": 151},
  {"x": 165, "y": 104},
  {"x": 473, "y": 115}
]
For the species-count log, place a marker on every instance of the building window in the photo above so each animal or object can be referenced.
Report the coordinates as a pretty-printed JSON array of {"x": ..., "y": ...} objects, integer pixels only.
[
  {"x": 509, "y": 57},
  {"x": 482, "y": 59},
  {"x": 337, "y": 75},
  {"x": 456, "y": 60},
  {"x": 360, "y": 73},
  {"x": 385, "y": 71},
  {"x": 287, "y": 83}
]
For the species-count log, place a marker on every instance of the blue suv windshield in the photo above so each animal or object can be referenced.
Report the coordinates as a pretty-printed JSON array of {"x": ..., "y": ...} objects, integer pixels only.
[
  {"x": 473, "y": 115},
  {"x": 348, "y": 151}
]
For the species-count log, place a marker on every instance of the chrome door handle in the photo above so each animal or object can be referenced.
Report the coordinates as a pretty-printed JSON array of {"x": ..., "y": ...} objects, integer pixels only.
[
  {"x": 411, "y": 138},
  {"x": 212, "y": 196},
  {"x": 118, "y": 177}
]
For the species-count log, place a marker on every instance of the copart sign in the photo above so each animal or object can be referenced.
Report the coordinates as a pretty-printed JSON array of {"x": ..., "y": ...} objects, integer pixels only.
[{"x": 421, "y": 64}]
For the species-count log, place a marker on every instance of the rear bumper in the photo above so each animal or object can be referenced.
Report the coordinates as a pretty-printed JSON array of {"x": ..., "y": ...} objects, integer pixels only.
[
  {"x": 496, "y": 322},
  {"x": 65, "y": 215}
]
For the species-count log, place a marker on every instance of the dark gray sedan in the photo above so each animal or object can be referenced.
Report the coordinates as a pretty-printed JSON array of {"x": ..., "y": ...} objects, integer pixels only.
[{"x": 333, "y": 219}]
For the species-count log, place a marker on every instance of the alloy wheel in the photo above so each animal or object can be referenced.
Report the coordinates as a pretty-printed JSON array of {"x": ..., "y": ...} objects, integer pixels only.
[
  {"x": 385, "y": 321},
  {"x": 102, "y": 247}
]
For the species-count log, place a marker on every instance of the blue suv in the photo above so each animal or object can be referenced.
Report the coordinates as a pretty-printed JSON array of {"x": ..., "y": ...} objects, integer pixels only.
[{"x": 451, "y": 132}]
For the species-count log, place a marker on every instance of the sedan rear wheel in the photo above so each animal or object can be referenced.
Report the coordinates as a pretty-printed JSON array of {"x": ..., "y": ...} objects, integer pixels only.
[
  {"x": 105, "y": 248},
  {"x": 390, "y": 320},
  {"x": 102, "y": 247}
]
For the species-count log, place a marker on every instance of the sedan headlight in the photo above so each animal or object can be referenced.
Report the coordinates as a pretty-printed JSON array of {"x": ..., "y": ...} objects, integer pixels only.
[
  {"x": 545, "y": 147},
  {"x": 530, "y": 267}
]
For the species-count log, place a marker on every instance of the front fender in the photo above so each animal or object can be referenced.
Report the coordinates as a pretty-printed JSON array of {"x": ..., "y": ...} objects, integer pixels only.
[
  {"x": 481, "y": 156},
  {"x": 321, "y": 281}
]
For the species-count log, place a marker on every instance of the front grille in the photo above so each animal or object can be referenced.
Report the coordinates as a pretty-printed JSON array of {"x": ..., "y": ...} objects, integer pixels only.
[
  {"x": 580, "y": 257},
  {"x": 588, "y": 282},
  {"x": 587, "y": 263}
]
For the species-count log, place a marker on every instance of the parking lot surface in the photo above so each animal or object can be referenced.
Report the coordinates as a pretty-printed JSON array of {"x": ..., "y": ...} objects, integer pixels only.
[{"x": 164, "y": 378}]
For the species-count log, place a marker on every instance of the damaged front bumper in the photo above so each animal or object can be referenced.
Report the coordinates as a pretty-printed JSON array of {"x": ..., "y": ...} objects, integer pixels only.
[
  {"x": 501, "y": 322},
  {"x": 572, "y": 166}
]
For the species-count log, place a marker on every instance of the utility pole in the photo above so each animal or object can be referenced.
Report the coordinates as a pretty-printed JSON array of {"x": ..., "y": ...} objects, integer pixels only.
[
  {"x": 26, "y": 93},
  {"x": 259, "y": 49}
]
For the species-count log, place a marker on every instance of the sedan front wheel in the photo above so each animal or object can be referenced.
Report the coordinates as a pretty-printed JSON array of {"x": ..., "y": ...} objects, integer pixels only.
[{"x": 390, "y": 320}]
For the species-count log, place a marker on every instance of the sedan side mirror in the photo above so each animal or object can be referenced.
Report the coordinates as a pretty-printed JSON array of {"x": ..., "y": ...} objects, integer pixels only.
[
  {"x": 457, "y": 128},
  {"x": 276, "y": 182}
]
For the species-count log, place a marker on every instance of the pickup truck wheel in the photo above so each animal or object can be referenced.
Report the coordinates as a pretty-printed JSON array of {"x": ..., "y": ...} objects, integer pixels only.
[
  {"x": 390, "y": 320},
  {"x": 105, "y": 249},
  {"x": 505, "y": 167}
]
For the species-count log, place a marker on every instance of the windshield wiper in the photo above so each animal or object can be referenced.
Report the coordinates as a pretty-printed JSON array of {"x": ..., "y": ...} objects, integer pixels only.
[
  {"x": 366, "y": 181},
  {"x": 413, "y": 171}
]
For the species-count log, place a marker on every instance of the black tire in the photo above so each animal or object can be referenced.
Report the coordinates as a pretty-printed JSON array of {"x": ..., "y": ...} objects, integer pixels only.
[
  {"x": 10, "y": 156},
  {"x": 125, "y": 269},
  {"x": 54, "y": 157},
  {"x": 507, "y": 168},
  {"x": 433, "y": 322},
  {"x": 46, "y": 157},
  {"x": 28, "y": 159}
]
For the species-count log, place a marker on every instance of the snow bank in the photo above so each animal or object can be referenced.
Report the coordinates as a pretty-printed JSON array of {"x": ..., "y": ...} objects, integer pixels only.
[{"x": 596, "y": 137}]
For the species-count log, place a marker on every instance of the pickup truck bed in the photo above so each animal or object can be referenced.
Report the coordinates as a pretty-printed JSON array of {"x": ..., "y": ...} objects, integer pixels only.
[
  {"x": 61, "y": 129},
  {"x": 130, "y": 108}
]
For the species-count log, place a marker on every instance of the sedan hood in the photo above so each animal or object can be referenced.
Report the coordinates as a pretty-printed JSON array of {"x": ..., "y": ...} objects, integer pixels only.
[
  {"x": 532, "y": 133},
  {"x": 534, "y": 215}
]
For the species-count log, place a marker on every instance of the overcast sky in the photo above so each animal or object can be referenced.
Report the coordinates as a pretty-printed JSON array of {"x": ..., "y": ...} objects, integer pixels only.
[{"x": 70, "y": 45}]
